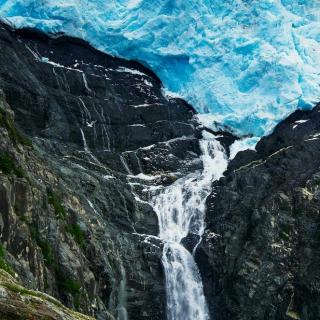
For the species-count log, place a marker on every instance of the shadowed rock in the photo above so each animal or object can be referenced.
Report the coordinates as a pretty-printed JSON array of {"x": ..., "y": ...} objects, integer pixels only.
[
  {"x": 261, "y": 250},
  {"x": 71, "y": 221}
]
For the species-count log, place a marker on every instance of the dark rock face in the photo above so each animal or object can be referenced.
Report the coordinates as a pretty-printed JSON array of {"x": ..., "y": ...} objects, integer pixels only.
[
  {"x": 68, "y": 87},
  {"x": 71, "y": 223},
  {"x": 260, "y": 257}
]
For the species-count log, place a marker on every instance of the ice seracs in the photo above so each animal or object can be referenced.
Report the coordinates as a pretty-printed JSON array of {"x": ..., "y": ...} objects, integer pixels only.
[{"x": 249, "y": 62}]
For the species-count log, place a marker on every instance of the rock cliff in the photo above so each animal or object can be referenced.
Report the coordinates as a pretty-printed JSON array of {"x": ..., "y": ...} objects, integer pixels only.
[
  {"x": 74, "y": 123},
  {"x": 260, "y": 257}
]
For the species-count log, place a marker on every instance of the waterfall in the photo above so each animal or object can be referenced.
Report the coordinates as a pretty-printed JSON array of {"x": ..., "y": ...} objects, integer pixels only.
[
  {"x": 180, "y": 209},
  {"x": 122, "y": 311}
]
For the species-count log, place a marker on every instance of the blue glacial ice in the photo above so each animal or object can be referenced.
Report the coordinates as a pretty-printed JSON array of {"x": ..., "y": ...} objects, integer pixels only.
[{"x": 244, "y": 63}]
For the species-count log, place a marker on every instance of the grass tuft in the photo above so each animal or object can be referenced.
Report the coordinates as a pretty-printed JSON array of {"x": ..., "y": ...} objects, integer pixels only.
[
  {"x": 3, "y": 263},
  {"x": 56, "y": 203},
  {"x": 15, "y": 135},
  {"x": 77, "y": 234},
  {"x": 8, "y": 167},
  {"x": 44, "y": 245}
]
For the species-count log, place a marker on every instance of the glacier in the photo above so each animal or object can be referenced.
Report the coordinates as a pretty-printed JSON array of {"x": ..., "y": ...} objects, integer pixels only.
[{"x": 245, "y": 64}]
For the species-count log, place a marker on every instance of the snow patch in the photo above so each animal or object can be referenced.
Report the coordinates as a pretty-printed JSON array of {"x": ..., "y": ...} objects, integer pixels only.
[
  {"x": 298, "y": 122},
  {"x": 131, "y": 71}
]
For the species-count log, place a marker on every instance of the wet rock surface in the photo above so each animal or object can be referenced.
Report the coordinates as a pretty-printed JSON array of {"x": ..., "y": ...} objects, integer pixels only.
[
  {"x": 260, "y": 255},
  {"x": 75, "y": 126}
]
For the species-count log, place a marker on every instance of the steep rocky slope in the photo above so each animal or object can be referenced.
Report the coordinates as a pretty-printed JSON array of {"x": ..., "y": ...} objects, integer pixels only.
[
  {"x": 19, "y": 303},
  {"x": 74, "y": 123},
  {"x": 260, "y": 258}
]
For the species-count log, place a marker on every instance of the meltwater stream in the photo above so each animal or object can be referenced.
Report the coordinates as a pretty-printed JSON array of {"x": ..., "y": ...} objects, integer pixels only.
[{"x": 180, "y": 209}]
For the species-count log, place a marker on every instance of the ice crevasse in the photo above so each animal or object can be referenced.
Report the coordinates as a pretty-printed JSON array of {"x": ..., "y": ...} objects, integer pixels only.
[{"x": 244, "y": 63}]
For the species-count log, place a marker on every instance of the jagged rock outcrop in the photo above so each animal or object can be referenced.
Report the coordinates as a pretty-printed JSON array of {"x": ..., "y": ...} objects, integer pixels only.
[
  {"x": 73, "y": 123},
  {"x": 260, "y": 255}
]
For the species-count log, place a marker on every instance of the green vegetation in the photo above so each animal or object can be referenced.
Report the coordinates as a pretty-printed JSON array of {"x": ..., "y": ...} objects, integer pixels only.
[
  {"x": 3, "y": 263},
  {"x": 56, "y": 203},
  {"x": 15, "y": 135},
  {"x": 71, "y": 286},
  {"x": 44, "y": 245},
  {"x": 285, "y": 232},
  {"x": 37, "y": 304},
  {"x": 284, "y": 236},
  {"x": 78, "y": 235},
  {"x": 7, "y": 166},
  {"x": 23, "y": 218},
  {"x": 14, "y": 287},
  {"x": 20, "y": 290},
  {"x": 46, "y": 252}
]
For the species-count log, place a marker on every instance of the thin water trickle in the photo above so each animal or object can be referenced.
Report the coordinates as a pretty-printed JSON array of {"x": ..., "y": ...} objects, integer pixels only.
[
  {"x": 180, "y": 209},
  {"x": 122, "y": 311}
]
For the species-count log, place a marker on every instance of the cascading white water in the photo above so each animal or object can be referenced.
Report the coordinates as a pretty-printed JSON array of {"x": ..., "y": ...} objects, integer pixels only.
[{"x": 180, "y": 209}]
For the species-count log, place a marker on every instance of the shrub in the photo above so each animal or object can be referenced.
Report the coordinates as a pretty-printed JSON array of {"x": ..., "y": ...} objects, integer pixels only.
[
  {"x": 44, "y": 245},
  {"x": 15, "y": 135},
  {"x": 3, "y": 263},
  {"x": 78, "y": 235},
  {"x": 55, "y": 201},
  {"x": 46, "y": 252},
  {"x": 7, "y": 166},
  {"x": 71, "y": 286}
]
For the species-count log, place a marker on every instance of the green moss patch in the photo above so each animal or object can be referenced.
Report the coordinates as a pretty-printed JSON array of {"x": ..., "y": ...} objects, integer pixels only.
[
  {"x": 4, "y": 265},
  {"x": 71, "y": 286},
  {"x": 15, "y": 135},
  {"x": 38, "y": 305},
  {"x": 8, "y": 167},
  {"x": 6, "y": 164},
  {"x": 77, "y": 234},
  {"x": 44, "y": 245},
  {"x": 46, "y": 252},
  {"x": 55, "y": 201}
]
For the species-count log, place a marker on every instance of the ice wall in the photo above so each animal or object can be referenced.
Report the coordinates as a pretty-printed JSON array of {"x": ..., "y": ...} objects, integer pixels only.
[{"x": 248, "y": 63}]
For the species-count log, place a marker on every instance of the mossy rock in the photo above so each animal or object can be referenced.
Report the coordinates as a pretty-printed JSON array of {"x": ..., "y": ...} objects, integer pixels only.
[
  {"x": 77, "y": 233},
  {"x": 71, "y": 286},
  {"x": 8, "y": 166},
  {"x": 4, "y": 265},
  {"x": 56, "y": 202},
  {"x": 19, "y": 303},
  {"x": 44, "y": 245},
  {"x": 15, "y": 135}
]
